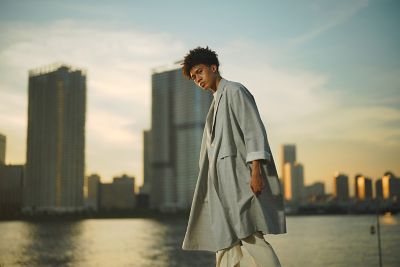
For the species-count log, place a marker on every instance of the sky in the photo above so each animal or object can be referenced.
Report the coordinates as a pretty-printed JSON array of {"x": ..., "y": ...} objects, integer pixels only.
[{"x": 325, "y": 74}]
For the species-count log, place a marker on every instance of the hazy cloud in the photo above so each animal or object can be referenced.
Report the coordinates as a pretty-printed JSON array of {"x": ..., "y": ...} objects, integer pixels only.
[{"x": 331, "y": 15}]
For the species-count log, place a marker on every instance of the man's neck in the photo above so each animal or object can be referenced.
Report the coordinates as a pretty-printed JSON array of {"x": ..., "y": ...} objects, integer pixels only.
[{"x": 215, "y": 87}]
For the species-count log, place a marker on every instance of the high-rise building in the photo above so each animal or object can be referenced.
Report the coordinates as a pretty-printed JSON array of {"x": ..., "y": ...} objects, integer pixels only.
[
  {"x": 294, "y": 183},
  {"x": 288, "y": 155},
  {"x": 56, "y": 139},
  {"x": 341, "y": 187},
  {"x": 2, "y": 149},
  {"x": 143, "y": 198},
  {"x": 378, "y": 189},
  {"x": 179, "y": 109},
  {"x": 147, "y": 168},
  {"x": 390, "y": 186},
  {"x": 362, "y": 187},
  {"x": 292, "y": 175}
]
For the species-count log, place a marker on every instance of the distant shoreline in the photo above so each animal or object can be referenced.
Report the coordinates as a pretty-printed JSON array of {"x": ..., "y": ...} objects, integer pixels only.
[{"x": 155, "y": 214}]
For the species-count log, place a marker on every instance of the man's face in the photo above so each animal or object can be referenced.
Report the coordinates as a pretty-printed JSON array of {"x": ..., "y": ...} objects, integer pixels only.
[{"x": 203, "y": 75}]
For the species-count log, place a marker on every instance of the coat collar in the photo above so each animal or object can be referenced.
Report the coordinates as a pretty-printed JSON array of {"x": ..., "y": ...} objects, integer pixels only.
[{"x": 219, "y": 92}]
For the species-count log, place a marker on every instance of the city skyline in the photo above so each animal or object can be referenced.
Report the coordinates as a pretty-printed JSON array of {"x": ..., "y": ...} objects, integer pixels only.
[
  {"x": 338, "y": 103},
  {"x": 291, "y": 153}
]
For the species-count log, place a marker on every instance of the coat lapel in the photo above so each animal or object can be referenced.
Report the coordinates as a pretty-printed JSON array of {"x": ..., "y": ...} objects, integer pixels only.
[
  {"x": 209, "y": 119},
  {"x": 221, "y": 87}
]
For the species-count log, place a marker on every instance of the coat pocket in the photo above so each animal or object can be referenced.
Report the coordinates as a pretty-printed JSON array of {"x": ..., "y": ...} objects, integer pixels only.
[{"x": 227, "y": 152}]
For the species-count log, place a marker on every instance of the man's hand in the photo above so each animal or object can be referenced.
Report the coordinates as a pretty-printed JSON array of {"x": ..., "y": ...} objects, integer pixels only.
[{"x": 256, "y": 182}]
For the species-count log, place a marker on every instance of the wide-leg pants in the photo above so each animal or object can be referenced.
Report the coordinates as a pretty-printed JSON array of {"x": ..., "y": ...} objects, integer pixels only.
[{"x": 260, "y": 252}]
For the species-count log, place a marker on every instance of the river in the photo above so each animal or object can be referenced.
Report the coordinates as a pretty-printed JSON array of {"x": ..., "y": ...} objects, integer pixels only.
[{"x": 312, "y": 241}]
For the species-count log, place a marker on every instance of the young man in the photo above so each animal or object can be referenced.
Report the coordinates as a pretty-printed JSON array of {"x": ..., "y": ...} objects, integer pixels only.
[{"x": 238, "y": 198}]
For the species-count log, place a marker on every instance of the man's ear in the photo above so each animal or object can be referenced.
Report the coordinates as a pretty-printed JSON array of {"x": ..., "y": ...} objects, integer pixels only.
[{"x": 214, "y": 68}]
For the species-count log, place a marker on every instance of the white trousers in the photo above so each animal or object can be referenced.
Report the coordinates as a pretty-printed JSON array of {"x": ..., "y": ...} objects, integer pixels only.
[{"x": 259, "y": 254}]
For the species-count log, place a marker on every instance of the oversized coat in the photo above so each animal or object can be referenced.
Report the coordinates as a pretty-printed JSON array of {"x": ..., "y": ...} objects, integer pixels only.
[{"x": 224, "y": 208}]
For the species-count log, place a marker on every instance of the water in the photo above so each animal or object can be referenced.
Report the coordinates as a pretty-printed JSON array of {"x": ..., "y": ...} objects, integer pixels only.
[{"x": 311, "y": 241}]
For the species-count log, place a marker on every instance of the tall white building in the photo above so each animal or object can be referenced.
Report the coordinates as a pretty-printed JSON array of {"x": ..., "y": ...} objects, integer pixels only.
[
  {"x": 172, "y": 146},
  {"x": 56, "y": 139}
]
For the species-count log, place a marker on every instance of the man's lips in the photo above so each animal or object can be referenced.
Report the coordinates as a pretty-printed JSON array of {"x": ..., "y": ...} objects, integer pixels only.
[{"x": 202, "y": 84}]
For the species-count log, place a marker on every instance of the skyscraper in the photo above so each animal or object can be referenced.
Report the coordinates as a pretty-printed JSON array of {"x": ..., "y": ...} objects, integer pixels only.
[
  {"x": 390, "y": 186},
  {"x": 294, "y": 183},
  {"x": 179, "y": 109},
  {"x": 288, "y": 155},
  {"x": 341, "y": 187},
  {"x": 2, "y": 149},
  {"x": 56, "y": 139},
  {"x": 292, "y": 176},
  {"x": 147, "y": 167},
  {"x": 378, "y": 189},
  {"x": 362, "y": 187}
]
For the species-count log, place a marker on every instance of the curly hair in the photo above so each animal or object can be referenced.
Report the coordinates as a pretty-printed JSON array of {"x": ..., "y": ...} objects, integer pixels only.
[{"x": 197, "y": 56}]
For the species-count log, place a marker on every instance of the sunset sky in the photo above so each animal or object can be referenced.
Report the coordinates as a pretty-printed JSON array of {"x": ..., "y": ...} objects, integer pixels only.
[{"x": 325, "y": 74}]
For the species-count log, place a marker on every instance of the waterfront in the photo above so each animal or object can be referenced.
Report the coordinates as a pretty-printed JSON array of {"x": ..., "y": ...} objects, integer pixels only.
[{"x": 336, "y": 241}]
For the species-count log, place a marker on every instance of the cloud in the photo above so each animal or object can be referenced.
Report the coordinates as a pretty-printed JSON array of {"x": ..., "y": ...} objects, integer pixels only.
[
  {"x": 331, "y": 17},
  {"x": 300, "y": 103},
  {"x": 375, "y": 125},
  {"x": 282, "y": 95}
]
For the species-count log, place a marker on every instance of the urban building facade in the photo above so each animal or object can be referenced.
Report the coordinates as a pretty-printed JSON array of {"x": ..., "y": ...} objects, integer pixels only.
[
  {"x": 362, "y": 187},
  {"x": 390, "y": 187},
  {"x": 147, "y": 168},
  {"x": 294, "y": 183},
  {"x": 93, "y": 182},
  {"x": 11, "y": 184},
  {"x": 2, "y": 149},
  {"x": 118, "y": 195},
  {"x": 288, "y": 155},
  {"x": 292, "y": 177},
  {"x": 341, "y": 187},
  {"x": 56, "y": 139},
  {"x": 314, "y": 192},
  {"x": 378, "y": 189},
  {"x": 172, "y": 146}
]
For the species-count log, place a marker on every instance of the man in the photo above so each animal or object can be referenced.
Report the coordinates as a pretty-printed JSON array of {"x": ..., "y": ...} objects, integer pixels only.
[{"x": 238, "y": 198}]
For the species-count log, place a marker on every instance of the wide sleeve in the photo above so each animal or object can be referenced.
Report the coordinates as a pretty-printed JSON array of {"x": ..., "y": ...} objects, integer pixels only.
[{"x": 248, "y": 118}]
